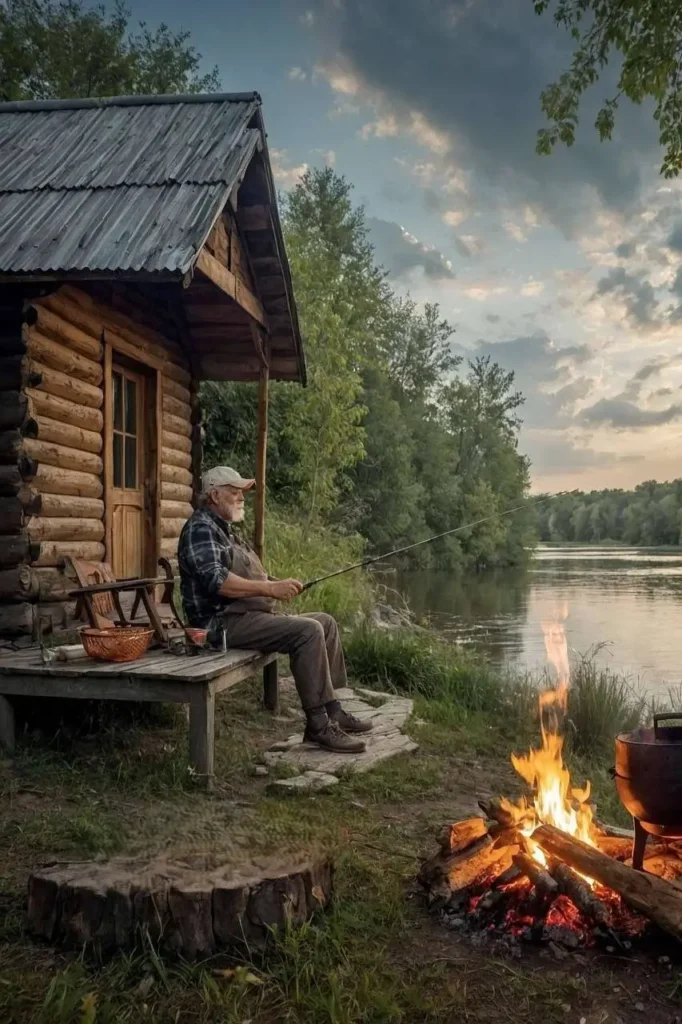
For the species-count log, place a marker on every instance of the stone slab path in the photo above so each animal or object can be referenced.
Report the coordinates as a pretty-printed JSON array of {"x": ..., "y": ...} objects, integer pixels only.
[{"x": 320, "y": 769}]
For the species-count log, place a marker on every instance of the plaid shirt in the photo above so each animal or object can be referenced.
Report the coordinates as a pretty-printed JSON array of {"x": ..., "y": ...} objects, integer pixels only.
[
  {"x": 206, "y": 553},
  {"x": 204, "y": 560}
]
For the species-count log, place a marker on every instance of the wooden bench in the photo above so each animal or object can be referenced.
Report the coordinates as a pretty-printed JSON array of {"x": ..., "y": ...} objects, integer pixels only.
[{"x": 157, "y": 676}]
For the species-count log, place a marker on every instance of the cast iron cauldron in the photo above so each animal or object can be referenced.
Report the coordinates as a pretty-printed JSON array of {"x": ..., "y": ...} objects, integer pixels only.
[{"x": 648, "y": 776}]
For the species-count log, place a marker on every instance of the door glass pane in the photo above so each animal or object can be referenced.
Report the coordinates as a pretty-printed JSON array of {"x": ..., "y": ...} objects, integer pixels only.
[
  {"x": 131, "y": 407},
  {"x": 131, "y": 462},
  {"x": 118, "y": 401},
  {"x": 118, "y": 460}
]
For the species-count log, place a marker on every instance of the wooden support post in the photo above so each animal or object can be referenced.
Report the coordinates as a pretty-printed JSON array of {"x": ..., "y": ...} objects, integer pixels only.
[
  {"x": 201, "y": 733},
  {"x": 261, "y": 458},
  {"x": 6, "y": 726},
  {"x": 271, "y": 686}
]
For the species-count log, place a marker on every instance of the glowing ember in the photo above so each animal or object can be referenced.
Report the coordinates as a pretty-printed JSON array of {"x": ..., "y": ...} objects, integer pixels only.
[{"x": 555, "y": 802}]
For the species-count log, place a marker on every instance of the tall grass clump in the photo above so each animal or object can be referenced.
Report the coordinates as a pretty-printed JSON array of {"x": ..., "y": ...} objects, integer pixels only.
[
  {"x": 601, "y": 704},
  {"x": 305, "y": 551},
  {"x": 421, "y": 664}
]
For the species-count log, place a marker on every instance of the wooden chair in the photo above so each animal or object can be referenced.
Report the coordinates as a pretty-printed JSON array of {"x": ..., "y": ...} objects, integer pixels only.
[{"x": 89, "y": 574}]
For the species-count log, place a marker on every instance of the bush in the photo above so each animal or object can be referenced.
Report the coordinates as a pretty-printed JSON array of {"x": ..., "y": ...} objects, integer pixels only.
[{"x": 601, "y": 704}]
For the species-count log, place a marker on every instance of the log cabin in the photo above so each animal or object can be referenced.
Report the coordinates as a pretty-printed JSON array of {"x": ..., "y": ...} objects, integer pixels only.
[{"x": 141, "y": 253}]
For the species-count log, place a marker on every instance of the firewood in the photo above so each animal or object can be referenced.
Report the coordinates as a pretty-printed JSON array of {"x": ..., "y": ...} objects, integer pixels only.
[
  {"x": 656, "y": 898},
  {"x": 455, "y": 838},
  {"x": 536, "y": 875},
  {"x": 613, "y": 831},
  {"x": 494, "y": 810},
  {"x": 580, "y": 893}
]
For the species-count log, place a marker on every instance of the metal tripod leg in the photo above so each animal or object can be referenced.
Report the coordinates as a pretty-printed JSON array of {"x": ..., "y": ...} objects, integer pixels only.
[{"x": 638, "y": 846}]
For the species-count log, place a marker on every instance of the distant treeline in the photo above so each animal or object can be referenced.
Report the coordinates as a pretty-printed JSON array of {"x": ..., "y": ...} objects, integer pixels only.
[{"x": 651, "y": 514}]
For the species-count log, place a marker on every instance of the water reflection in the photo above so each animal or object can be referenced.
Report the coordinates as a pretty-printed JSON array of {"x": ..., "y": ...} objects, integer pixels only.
[{"x": 628, "y": 598}]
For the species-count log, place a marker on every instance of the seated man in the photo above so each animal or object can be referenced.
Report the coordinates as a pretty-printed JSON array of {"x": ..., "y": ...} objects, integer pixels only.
[{"x": 224, "y": 586}]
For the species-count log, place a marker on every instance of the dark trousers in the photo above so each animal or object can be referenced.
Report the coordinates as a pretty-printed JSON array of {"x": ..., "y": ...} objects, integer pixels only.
[{"x": 312, "y": 642}]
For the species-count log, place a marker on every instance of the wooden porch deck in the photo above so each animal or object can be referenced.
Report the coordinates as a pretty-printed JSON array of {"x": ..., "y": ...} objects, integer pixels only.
[{"x": 157, "y": 676}]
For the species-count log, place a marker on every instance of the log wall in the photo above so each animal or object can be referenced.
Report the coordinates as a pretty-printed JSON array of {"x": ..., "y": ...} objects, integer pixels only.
[{"x": 52, "y": 432}]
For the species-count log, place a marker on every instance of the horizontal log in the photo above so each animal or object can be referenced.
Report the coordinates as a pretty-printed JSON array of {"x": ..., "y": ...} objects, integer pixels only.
[
  {"x": 13, "y": 409},
  {"x": 54, "y": 382},
  {"x": 95, "y": 315},
  {"x": 175, "y": 475},
  {"x": 59, "y": 357},
  {"x": 11, "y": 446},
  {"x": 176, "y": 407},
  {"x": 17, "y": 372},
  {"x": 53, "y": 553},
  {"x": 66, "y": 505},
  {"x": 16, "y": 620},
  {"x": 66, "y": 434},
  {"x": 62, "y": 457},
  {"x": 179, "y": 442},
  {"x": 57, "y": 327},
  {"x": 659, "y": 900},
  {"x": 177, "y": 373},
  {"x": 176, "y": 492},
  {"x": 168, "y": 548},
  {"x": 536, "y": 875},
  {"x": 176, "y": 509},
  {"x": 455, "y": 838},
  {"x": 172, "y": 457},
  {"x": 176, "y": 425},
  {"x": 16, "y": 549},
  {"x": 11, "y": 480},
  {"x": 26, "y": 584},
  {"x": 72, "y": 529},
  {"x": 12, "y": 515},
  {"x": 174, "y": 388},
  {"x": 172, "y": 527},
  {"x": 56, "y": 480},
  {"x": 75, "y": 414}
]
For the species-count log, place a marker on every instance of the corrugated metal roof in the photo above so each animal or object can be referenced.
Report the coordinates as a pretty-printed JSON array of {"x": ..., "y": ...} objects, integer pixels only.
[{"x": 133, "y": 184}]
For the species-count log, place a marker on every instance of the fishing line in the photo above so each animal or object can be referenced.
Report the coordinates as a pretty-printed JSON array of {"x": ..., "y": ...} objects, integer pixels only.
[{"x": 429, "y": 540}]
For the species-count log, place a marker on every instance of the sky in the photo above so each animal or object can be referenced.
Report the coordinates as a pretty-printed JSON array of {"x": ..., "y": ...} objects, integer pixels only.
[{"x": 566, "y": 269}]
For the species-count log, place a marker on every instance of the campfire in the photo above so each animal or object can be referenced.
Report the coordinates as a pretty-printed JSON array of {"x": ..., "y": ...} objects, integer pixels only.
[{"x": 544, "y": 869}]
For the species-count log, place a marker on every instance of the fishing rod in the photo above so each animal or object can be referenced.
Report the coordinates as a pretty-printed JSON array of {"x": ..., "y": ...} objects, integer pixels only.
[{"x": 428, "y": 540}]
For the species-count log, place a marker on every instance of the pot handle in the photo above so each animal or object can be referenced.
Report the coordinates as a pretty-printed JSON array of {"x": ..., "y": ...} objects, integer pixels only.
[{"x": 668, "y": 716}]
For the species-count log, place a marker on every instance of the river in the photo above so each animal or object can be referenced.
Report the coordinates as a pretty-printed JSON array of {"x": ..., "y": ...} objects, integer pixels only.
[{"x": 628, "y": 599}]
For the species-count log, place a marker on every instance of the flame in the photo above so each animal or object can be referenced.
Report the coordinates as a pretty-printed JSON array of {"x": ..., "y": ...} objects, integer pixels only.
[{"x": 555, "y": 801}]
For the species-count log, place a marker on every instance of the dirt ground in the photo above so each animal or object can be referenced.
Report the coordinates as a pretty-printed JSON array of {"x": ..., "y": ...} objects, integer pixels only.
[{"x": 121, "y": 786}]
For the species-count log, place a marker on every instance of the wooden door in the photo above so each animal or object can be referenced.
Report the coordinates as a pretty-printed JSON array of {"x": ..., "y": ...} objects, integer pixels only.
[{"x": 128, "y": 473}]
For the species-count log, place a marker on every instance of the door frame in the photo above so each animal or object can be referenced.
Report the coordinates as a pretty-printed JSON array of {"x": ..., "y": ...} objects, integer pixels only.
[{"x": 120, "y": 351}]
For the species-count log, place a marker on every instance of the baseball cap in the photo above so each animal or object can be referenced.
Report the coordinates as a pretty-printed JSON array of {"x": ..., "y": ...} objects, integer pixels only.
[{"x": 224, "y": 476}]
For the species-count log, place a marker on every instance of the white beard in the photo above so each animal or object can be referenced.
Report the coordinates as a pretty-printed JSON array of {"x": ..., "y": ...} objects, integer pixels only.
[{"x": 238, "y": 517}]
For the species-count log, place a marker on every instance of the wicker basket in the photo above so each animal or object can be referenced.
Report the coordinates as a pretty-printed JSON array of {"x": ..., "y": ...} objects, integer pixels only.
[{"x": 120, "y": 643}]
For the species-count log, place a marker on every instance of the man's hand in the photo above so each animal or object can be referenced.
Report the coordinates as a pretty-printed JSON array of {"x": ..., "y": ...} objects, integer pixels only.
[{"x": 284, "y": 590}]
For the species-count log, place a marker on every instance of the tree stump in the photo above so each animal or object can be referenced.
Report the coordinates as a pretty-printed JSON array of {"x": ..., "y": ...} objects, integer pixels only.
[{"x": 188, "y": 907}]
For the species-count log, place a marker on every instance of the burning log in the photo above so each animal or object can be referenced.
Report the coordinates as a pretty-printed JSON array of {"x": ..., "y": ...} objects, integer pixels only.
[
  {"x": 537, "y": 876},
  {"x": 655, "y": 898},
  {"x": 462, "y": 870},
  {"x": 456, "y": 838},
  {"x": 579, "y": 893}
]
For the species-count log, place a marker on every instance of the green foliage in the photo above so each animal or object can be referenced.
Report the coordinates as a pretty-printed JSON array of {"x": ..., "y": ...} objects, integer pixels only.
[
  {"x": 393, "y": 440},
  {"x": 649, "y": 516},
  {"x": 644, "y": 37},
  {"x": 66, "y": 49},
  {"x": 601, "y": 704}
]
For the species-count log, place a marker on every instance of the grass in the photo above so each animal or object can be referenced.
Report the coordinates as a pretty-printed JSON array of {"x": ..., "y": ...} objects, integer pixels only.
[{"x": 116, "y": 782}]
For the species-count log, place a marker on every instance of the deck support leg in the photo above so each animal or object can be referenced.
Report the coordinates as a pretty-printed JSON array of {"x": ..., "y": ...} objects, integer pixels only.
[
  {"x": 271, "y": 686},
  {"x": 6, "y": 726},
  {"x": 201, "y": 734}
]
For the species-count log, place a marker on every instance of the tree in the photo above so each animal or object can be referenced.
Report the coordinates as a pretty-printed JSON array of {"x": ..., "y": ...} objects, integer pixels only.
[
  {"x": 64, "y": 49},
  {"x": 646, "y": 35}
]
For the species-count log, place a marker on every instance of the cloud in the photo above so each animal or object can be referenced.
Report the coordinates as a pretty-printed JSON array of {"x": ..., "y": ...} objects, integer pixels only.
[
  {"x": 515, "y": 231},
  {"x": 675, "y": 237},
  {"x": 625, "y": 250},
  {"x": 454, "y": 217},
  {"x": 297, "y": 74},
  {"x": 573, "y": 392},
  {"x": 382, "y": 128},
  {"x": 328, "y": 156},
  {"x": 532, "y": 288},
  {"x": 421, "y": 64},
  {"x": 483, "y": 290},
  {"x": 493, "y": 318},
  {"x": 400, "y": 252},
  {"x": 623, "y": 415},
  {"x": 286, "y": 176},
  {"x": 636, "y": 293}
]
